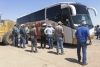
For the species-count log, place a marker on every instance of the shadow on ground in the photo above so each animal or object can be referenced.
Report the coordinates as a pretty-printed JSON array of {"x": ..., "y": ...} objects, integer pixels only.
[
  {"x": 72, "y": 60},
  {"x": 52, "y": 52},
  {"x": 28, "y": 50},
  {"x": 2, "y": 44}
]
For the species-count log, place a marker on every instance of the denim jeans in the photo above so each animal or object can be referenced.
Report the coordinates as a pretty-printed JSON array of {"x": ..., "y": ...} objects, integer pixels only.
[
  {"x": 50, "y": 41},
  {"x": 15, "y": 40},
  {"x": 84, "y": 46},
  {"x": 34, "y": 44},
  {"x": 60, "y": 44},
  {"x": 22, "y": 41}
]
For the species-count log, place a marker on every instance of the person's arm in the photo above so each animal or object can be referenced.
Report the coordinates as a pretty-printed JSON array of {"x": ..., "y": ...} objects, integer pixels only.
[
  {"x": 88, "y": 34},
  {"x": 45, "y": 31},
  {"x": 63, "y": 36},
  {"x": 35, "y": 33}
]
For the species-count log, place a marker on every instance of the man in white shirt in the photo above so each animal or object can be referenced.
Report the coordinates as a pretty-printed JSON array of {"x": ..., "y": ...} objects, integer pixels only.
[{"x": 49, "y": 31}]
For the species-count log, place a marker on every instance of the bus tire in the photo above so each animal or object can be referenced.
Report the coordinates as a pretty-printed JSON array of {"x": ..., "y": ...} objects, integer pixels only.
[{"x": 7, "y": 39}]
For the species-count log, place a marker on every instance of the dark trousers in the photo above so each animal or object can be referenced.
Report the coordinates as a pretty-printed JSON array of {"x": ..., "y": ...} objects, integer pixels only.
[
  {"x": 27, "y": 38},
  {"x": 43, "y": 41},
  {"x": 82, "y": 45},
  {"x": 98, "y": 35},
  {"x": 15, "y": 40}
]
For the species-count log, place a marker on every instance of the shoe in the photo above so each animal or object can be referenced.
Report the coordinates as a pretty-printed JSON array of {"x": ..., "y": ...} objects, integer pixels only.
[
  {"x": 62, "y": 53},
  {"x": 35, "y": 51},
  {"x": 84, "y": 64},
  {"x": 79, "y": 61}
]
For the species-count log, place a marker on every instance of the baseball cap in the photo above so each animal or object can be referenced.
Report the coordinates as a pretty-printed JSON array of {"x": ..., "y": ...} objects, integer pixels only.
[
  {"x": 44, "y": 24},
  {"x": 84, "y": 23}
]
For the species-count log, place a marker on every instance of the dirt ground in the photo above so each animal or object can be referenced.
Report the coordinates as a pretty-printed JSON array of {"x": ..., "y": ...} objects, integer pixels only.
[{"x": 16, "y": 57}]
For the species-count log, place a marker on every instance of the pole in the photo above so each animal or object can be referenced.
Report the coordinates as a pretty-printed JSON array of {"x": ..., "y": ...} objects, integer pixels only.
[{"x": 0, "y": 17}]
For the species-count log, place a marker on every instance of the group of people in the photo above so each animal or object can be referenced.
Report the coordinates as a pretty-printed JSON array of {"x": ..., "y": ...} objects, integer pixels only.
[{"x": 48, "y": 33}]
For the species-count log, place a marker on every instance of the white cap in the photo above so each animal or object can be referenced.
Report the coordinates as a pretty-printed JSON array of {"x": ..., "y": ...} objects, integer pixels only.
[
  {"x": 84, "y": 23},
  {"x": 44, "y": 24},
  {"x": 60, "y": 22},
  {"x": 49, "y": 25},
  {"x": 22, "y": 25}
]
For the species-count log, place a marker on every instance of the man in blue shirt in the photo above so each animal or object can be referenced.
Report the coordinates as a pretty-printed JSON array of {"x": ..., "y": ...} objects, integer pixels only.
[{"x": 82, "y": 33}]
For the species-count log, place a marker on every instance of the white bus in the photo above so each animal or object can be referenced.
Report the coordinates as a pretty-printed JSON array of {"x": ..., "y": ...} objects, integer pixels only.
[{"x": 70, "y": 13}]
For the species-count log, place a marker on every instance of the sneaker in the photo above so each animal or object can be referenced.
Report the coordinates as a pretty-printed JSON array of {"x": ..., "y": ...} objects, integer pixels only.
[
  {"x": 84, "y": 64},
  {"x": 62, "y": 53}
]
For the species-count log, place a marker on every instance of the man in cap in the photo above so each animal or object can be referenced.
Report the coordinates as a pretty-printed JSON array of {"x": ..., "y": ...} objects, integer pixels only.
[
  {"x": 22, "y": 36},
  {"x": 59, "y": 37},
  {"x": 82, "y": 33},
  {"x": 49, "y": 31},
  {"x": 33, "y": 36},
  {"x": 15, "y": 35},
  {"x": 43, "y": 36}
]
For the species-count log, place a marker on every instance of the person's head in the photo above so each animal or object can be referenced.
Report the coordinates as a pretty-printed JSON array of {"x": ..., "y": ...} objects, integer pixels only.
[
  {"x": 97, "y": 25},
  {"x": 60, "y": 23},
  {"x": 15, "y": 25},
  {"x": 33, "y": 25},
  {"x": 49, "y": 25},
  {"x": 22, "y": 25},
  {"x": 84, "y": 23},
  {"x": 44, "y": 25}
]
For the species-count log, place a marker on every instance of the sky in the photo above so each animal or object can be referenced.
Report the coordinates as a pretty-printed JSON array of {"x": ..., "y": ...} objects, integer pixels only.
[{"x": 12, "y": 9}]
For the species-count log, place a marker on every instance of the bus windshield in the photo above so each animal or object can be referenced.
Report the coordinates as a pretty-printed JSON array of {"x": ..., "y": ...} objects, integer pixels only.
[
  {"x": 77, "y": 20},
  {"x": 82, "y": 15}
]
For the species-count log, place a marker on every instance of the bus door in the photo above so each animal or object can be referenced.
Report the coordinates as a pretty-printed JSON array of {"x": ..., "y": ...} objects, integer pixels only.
[{"x": 67, "y": 28}]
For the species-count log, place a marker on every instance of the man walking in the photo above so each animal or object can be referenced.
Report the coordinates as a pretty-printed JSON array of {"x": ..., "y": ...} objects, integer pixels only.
[
  {"x": 59, "y": 37},
  {"x": 82, "y": 33},
  {"x": 49, "y": 31},
  {"x": 43, "y": 36},
  {"x": 33, "y": 36}
]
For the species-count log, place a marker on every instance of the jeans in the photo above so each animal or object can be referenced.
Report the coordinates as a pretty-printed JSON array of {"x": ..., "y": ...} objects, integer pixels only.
[
  {"x": 60, "y": 44},
  {"x": 34, "y": 44},
  {"x": 50, "y": 41},
  {"x": 15, "y": 40},
  {"x": 84, "y": 46},
  {"x": 22, "y": 41}
]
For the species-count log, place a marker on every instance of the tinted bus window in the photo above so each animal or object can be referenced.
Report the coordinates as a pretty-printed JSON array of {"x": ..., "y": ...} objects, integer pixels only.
[
  {"x": 53, "y": 11},
  {"x": 80, "y": 9}
]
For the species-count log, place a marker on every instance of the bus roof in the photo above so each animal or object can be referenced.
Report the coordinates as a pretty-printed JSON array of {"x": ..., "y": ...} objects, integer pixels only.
[{"x": 51, "y": 6}]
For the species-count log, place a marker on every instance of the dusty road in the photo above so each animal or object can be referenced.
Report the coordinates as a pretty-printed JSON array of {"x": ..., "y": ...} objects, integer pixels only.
[{"x": 17, "y": 57}]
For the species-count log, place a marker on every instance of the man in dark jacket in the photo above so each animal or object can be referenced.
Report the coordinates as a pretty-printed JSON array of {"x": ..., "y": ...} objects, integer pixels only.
[
  {"x": 43, "y": 36},
  {"x": 22, "y": 36}
]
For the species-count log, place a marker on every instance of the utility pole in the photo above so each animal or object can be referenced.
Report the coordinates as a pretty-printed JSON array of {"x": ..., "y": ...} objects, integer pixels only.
[{"x": 0, "y": 17}]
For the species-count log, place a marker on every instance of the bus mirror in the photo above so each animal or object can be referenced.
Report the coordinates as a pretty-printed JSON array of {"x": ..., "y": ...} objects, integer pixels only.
[
  {"x": 73, "y": 9},
  {"x": 95, "y": 11}
]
